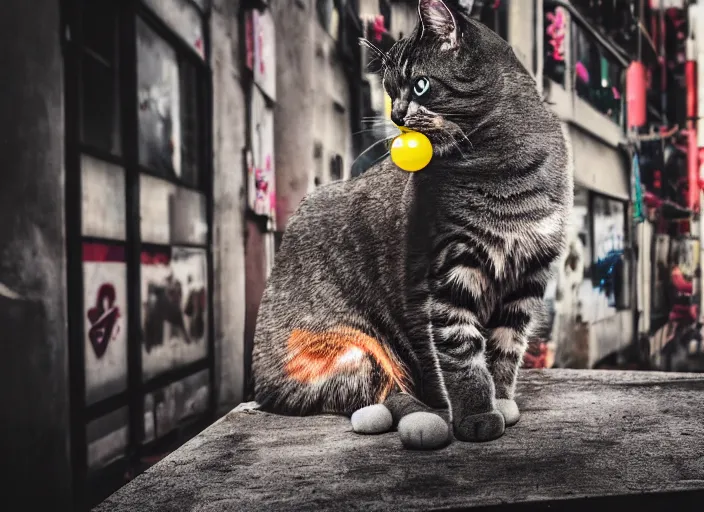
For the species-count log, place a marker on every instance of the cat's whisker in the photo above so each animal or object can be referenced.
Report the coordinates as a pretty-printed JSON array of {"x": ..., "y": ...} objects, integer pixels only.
[
  {"x": 377, "y": 121},
  {"x": 374, "y": 48},
  {"x": 465, "y": 137},
  {"x": 454, "y": 142},
  {"x": 374, "y": 129},
  {"x": 385, "y": 139}
]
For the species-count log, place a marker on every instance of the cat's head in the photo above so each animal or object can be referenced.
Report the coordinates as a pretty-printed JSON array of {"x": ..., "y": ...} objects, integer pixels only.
[{"x": 453, "y": 78}]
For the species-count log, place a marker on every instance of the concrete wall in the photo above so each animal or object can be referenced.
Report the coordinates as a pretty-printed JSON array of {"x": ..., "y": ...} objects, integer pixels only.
[
  {"x": 34, "y": 403},
  {"x": 332, "y": 135},
  {"x": 294, "y": 111},
  {"x": 229, "y": 189}
]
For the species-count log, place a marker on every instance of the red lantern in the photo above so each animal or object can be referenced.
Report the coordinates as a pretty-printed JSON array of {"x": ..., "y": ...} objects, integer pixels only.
[{"x": 636, "y": 95}]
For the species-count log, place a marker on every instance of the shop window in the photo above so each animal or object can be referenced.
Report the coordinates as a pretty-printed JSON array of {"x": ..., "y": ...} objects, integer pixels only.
[
  {"x": 99, "y": 108},
  {"x": 597, "y": 78}
]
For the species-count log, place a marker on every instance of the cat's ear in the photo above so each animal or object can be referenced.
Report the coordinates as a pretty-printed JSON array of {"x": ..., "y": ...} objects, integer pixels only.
[{"x": 437, "y": 19}]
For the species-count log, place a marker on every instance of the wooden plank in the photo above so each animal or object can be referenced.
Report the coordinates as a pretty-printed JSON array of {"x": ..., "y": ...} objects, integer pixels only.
[{"x": 583, "y": 434}]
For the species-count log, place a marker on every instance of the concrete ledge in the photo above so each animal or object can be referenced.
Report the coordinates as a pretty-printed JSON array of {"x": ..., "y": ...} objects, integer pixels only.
[{"x": 607, "y": 436}]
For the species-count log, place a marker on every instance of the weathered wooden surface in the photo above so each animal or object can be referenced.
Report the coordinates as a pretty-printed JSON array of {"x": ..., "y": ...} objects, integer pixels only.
[{"x": 582, "y": 434}]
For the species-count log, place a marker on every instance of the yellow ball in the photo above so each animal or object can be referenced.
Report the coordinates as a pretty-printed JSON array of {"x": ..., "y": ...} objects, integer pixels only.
[{"x": 411, "y": 151}]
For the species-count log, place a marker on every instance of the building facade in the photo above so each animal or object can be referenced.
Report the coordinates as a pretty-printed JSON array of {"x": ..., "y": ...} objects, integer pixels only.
[{"x": 154, "y": 151}]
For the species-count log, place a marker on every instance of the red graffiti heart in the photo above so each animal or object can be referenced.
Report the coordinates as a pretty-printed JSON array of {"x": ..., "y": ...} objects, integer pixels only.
[{"x": 103, "y": 318}]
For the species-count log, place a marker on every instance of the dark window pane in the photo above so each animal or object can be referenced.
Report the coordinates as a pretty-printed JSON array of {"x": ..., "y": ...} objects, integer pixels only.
[
  {"x": 336, "y": 168},
  {"x": 100, "y": 121},
  {"x": 190, "y": 125},
  {"x": 100, "y": 126},
  {"x": 99, "y": 24}
]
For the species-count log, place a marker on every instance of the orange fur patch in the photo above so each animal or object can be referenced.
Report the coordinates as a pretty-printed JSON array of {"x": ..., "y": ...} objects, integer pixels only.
[{"x": 319, "y": 355}]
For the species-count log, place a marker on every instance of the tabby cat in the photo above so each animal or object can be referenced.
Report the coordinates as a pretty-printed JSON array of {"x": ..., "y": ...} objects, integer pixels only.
[{"x": 405, "y": 299}]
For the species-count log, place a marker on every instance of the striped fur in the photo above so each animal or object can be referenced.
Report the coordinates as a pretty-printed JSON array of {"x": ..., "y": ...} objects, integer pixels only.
[{"x": 441, "y": 270}]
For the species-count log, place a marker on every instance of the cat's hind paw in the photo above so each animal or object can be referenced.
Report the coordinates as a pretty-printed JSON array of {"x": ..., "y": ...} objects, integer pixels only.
[
  {"x": 423, "y": 431},
  {"x": 373, "y": 419},
  {"x": 247, "y": 407},
  {"x": 509, "y": 410},
  {"x": 486, "y": 426}
]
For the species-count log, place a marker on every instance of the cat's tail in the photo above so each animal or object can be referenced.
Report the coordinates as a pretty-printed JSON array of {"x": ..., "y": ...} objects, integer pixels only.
[{"x": 319, "y": 355}]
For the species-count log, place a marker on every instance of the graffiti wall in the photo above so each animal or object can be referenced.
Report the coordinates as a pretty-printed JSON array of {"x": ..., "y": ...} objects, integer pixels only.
[
  {"x": 583, "y": 323},
  {"x": 105, "y": 320},
  {"x": 261, "y": 50},
  {"x": 174, "y": 308},
  {"x": 260, "y": 159},
  {"x": 608, "y": 234}
]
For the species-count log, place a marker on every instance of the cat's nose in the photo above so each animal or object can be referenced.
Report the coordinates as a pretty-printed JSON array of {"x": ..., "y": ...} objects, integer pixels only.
[{"x": 398, "y": 112}]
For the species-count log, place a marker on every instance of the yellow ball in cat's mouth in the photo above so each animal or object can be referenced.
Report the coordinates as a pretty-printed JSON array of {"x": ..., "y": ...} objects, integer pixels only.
[{"x": 411, "y": 151}]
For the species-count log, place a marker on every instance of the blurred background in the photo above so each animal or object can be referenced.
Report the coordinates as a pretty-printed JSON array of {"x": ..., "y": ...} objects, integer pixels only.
[{"x": 154, "y": 150}]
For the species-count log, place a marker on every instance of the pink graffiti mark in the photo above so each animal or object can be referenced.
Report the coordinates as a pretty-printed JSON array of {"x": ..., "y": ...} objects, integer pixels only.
[
  {"x": 261, "y": 46},
  {"x": 103, "y": 318},
  {"x": 249, "y": 42},
  {"x": 262, "y": 188},
  {"x": 581, "y": 72},
  {"x": 379, "y": 28},
  {"x": 556, "y": 31}
]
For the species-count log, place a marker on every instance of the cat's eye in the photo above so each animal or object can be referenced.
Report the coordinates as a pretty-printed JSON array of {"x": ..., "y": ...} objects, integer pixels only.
[{"x": 421, "y": 87}]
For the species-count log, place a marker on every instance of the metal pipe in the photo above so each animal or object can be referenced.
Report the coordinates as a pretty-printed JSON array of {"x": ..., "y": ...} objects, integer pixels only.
[{"x": 539, "y": 43}]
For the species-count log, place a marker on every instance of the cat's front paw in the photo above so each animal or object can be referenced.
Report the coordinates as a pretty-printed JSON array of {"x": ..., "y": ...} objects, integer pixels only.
[
  {"x": 373, "y": 419},
  {"x": 423, "y": 431},
  {"x": 509, "y": 410},
  {"x": 485, "y": 426}
]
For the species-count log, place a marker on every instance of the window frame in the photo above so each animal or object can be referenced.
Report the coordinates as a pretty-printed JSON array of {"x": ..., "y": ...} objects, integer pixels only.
[{"x": 91, "y": 487}]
